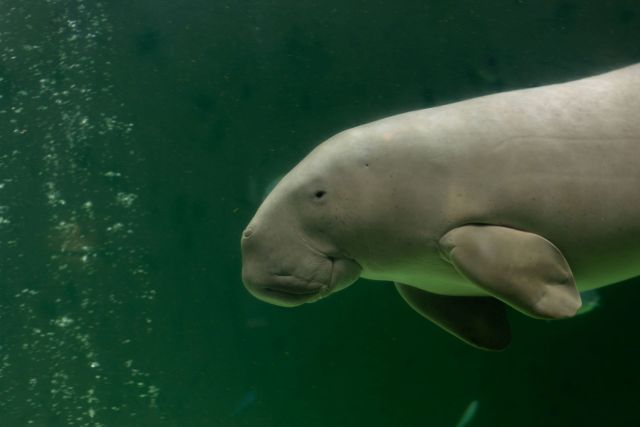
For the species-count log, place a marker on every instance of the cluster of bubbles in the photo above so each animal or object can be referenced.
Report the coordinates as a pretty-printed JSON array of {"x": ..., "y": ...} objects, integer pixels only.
[{"x": 75, "y": 292}]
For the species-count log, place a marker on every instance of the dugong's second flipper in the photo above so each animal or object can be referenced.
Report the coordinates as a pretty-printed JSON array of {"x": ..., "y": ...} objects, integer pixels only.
[
  {"x": 522, "y": 269},
  {"x": 479, "y": 321}
]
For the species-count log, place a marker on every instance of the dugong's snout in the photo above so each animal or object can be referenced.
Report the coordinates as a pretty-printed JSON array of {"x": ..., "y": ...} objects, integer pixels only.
[
  {"x": 268, "y": 271},
  {"x": 291, "y": 274}
]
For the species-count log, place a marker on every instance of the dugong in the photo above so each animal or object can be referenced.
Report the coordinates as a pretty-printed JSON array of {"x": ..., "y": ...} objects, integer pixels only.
[{"x": 522, "y": 198}]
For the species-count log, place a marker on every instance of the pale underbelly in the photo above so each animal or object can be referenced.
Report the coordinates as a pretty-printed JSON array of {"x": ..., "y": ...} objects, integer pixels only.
[
  {"x": 443, "y": 278},
  {"x": 439, "y": 278}
]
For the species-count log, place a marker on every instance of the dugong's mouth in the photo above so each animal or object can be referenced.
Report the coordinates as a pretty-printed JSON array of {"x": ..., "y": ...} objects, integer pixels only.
[
  {"x": 293, "y": 296},
  {"x": 290, "y": 297},
  {"x": 292, "y": 290}
]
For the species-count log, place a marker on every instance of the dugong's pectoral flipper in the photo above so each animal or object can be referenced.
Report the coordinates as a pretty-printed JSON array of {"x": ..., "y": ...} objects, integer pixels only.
[
  {"x": 479, "y": 321},
  {"x": 522, "y": 269}
]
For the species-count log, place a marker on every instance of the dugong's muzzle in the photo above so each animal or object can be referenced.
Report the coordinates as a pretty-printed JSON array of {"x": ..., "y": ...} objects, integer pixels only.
[{"x": 290, "y": 273}]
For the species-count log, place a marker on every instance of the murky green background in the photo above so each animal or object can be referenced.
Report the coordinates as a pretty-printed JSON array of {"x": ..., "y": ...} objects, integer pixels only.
[{"x": 138, "y": 137}]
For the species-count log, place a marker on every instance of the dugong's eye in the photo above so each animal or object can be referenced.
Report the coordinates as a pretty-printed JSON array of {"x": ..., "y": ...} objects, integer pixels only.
[{"x": 320, "y": 194}]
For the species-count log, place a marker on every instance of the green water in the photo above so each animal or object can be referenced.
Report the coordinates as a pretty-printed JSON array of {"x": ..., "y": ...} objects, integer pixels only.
[{"x": 137, "y": 139}]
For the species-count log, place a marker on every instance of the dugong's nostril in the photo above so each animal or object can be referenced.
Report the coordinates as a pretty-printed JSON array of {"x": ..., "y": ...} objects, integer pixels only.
[{"x": 247, "y": 232}]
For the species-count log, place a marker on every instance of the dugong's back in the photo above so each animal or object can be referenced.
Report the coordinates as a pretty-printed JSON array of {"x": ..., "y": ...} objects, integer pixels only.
[
  {"x": 572, "y": 165},
  {"x": 561, "y": 161}
]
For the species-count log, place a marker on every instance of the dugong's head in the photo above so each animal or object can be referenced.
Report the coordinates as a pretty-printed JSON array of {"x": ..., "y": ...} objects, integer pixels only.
[{"x": 291, "y": 251}]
